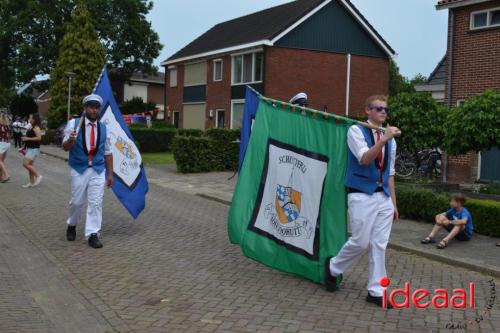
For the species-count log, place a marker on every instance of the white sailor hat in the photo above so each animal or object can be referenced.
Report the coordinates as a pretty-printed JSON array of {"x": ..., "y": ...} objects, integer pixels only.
[
  {"x": 92, "y": 99},
  {"x": 300, "y": 98}
]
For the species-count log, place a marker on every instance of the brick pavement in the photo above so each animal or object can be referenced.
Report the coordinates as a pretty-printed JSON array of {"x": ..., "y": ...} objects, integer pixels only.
[{"x": 173, "y": 270}]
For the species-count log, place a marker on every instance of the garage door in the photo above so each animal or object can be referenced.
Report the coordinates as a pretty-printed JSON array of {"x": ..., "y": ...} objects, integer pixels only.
[{"x": 194, "y": 116}]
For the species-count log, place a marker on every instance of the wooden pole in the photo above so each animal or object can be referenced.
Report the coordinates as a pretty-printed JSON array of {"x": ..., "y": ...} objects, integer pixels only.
[{"x": 325, "y": 114}]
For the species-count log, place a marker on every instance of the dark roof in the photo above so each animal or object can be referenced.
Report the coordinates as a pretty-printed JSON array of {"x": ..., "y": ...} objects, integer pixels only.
[
  {"x": 448, "y": 3},
  {"x": 140, "y": 76},
  {"x": 438, "y": 76},
  {"x": 262, "y": 25}
]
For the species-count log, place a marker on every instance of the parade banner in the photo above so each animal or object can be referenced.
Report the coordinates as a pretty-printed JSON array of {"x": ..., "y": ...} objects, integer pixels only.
[
  {"x": 130, "y": 184},
  {"x": 249, "y": 112},
  {"x": 289, "y": 209}
]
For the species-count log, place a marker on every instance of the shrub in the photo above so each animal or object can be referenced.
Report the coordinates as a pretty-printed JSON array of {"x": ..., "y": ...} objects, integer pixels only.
[
  {"x": 49, "y": 137},
  {"x": 422, "y": 204},
  {"x": 153, "y": 140},
  {"x": 156, "y": 124},
  {"x": 190, "y": 132},
  {"x": 215, "y": 151}
]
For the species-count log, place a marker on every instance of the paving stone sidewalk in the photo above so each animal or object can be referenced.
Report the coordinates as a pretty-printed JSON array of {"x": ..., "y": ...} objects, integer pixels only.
[
  {"x": 173, "y": 270},
  {"x": 480, "y": 254}
]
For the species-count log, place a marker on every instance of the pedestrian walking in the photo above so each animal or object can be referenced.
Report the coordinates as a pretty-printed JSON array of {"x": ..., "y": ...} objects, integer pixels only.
[
  {"x": 5, "y": 130},
  {"x": 32, "y": 141},
  {"x": 91, "y": 167},
  {"x": 371, "y": 199}
]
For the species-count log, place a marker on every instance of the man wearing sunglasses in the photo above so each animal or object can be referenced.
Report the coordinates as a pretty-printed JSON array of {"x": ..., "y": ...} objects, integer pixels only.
[{"x": 371, "y": 199}]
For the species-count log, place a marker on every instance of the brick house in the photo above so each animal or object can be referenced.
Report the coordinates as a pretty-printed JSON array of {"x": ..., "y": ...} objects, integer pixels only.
[
  {"x": 148, "y": 87},
  {"x": 472, "y": 66},
  {"x": 325, "y": 48}
]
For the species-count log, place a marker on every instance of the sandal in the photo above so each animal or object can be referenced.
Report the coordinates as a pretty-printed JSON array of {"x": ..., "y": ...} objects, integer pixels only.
[
  {"x": 427, "y": 240},
  {"x": 6, "y": 180},
  {"x": 498, "y": 244},
  {"x": 442, "y": 244}
]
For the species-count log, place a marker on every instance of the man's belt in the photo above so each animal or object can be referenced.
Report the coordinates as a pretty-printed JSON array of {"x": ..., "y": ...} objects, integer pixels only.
[{"x": 354, "y": 190}]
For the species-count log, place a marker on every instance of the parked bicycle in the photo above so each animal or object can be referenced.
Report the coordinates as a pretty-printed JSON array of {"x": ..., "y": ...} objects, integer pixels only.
[{"x": 426, "y": 162}]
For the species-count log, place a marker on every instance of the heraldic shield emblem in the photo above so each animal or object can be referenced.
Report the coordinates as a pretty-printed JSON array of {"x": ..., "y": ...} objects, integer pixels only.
[
  {"x": 287, "y": 204},
  {"x": 291, "y": 191}
]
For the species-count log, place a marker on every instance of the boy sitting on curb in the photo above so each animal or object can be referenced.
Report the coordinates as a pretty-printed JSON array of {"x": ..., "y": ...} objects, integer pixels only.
[{"x": 457, "y": 221}]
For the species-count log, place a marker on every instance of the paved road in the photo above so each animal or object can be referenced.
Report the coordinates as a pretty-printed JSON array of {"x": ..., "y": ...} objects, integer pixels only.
[{"x": 173, "y": 270}]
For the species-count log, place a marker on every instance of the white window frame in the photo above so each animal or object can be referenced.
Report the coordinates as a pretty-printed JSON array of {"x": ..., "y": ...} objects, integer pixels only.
[
  {"x": 217, "y": 117},
  {"x": 488, "y": 19},
  {"x": 215, "y": 62},
  {"x": 170, "y": 69},
  {"x": 242, "y": 54},
  {"x": 460, "y": 102},
  {"x": 235, "y": 101}
]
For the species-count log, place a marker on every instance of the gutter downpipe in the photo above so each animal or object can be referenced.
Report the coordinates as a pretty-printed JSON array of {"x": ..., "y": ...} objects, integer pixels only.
[
  {"x": 450, "y": 72},
  {"x": 348, "y": 85}
]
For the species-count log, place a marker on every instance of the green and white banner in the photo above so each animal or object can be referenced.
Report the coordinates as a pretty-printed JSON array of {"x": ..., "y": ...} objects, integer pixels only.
[{"x": 289, "y": 206}]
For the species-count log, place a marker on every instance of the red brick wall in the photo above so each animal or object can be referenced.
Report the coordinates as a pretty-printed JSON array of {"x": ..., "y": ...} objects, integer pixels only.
[
  {"x": 476, "y": 55},
  {"x": 155, "y": 93},
  {"x": 322, "y": 75},
  {"x": 476, "y": 67},
  {"x": 174, "y": 95},
  {"x": 219, "y": 93}
]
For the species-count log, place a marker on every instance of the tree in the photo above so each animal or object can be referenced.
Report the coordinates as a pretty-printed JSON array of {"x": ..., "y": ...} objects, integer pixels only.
[
  {"x": 474, "y": 125},
  {"x": 32, "y": 30},
  {"x": 81, "y": 52},
  {"x": 397, "y": 82},
  {"x": 418, "y": 79},
  {"x": 136, "y": 105},
  {"x": 23, "y": 105},
  {"x": 420, "y": 118}
]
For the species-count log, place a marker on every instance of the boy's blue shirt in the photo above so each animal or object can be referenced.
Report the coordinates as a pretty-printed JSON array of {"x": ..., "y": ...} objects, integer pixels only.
[{"x": 464, "y": 213}]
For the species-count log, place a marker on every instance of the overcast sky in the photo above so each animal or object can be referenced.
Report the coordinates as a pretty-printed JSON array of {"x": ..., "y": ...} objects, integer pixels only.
[{"x": 414, "y": 28}]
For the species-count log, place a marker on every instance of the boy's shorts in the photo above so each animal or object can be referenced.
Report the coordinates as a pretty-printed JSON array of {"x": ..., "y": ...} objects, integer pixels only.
[{"x": 462, "y": 235}]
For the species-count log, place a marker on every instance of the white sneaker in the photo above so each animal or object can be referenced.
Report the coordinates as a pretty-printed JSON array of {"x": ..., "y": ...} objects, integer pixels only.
[
  {"x": 27, "y": 185},
  {"x": 37, "y": 181}
]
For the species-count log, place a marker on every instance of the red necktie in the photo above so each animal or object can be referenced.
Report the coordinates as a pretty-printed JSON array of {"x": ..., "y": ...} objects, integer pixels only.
[
  {"x": 380, "y": 163},
  {"x": 92, "y": 142}
]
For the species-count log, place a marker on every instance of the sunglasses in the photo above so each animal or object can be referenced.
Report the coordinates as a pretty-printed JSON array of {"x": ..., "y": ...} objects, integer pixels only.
[{"x": 380, "y": 108}]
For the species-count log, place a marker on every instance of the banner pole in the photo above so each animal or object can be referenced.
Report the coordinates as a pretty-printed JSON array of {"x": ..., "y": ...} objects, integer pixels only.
[{"x": 324, "y": 114}]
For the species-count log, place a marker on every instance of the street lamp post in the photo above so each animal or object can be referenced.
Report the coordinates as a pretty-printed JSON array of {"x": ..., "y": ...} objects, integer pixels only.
[{"x": 70, "y": 75}]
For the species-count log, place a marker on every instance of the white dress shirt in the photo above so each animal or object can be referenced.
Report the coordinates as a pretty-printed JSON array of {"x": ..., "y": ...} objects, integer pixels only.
[
  {"x": 358, "y": 146},
  {"x": 70, "y": 127}
]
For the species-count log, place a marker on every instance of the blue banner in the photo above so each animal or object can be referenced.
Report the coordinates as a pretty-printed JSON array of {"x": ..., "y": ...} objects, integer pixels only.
[
  {"x": 249, "y": 112},
  {"x": 130, "y": 184}
]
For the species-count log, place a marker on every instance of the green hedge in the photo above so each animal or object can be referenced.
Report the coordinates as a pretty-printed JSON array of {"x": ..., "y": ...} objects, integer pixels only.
[
  {"x": 423, "y": 204},
  {"x": 49, "y": 137},
  {"x": 190, "y": 132},
  {"x": 153, "y": 140},
  {"x": 156, "y": 124},
  {"x": 215, "y": 151}
]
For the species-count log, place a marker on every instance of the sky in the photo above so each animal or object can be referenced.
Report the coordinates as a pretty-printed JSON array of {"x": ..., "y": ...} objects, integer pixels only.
[{"x": 414, "y": 28}]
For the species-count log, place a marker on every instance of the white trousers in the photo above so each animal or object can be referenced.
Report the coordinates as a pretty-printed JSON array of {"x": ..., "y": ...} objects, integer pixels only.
[
  {"x": 90, "y": 185},
  {"x": 371, "y": 218}
]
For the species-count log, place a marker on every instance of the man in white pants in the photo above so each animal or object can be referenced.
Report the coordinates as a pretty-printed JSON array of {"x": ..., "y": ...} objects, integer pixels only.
[
  {"x": 91, "y": 167},
  {"x": 371, "y": 199}
]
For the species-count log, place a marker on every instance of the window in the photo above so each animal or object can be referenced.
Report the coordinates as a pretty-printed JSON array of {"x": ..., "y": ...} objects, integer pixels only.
[
  {"x": 460, "y": 102},
  {"x": 479, "y": 20},
  {"x": 220, "y": 118},
  {"x": 195, "y": 74},
  {"x": 495, "y": 17},
  {"x": 175, "y": 119},
  {"x": 218, "y": 70},
  {"x": 248, "y": 68},
  {"x": 237, "y": 114},
  {"x": 485, "y": 19},
  {"x": 173, "y": 76}
]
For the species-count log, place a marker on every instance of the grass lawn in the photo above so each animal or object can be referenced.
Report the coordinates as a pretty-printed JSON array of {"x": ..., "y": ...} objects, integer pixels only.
[{"x": 158, "y": 158}]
